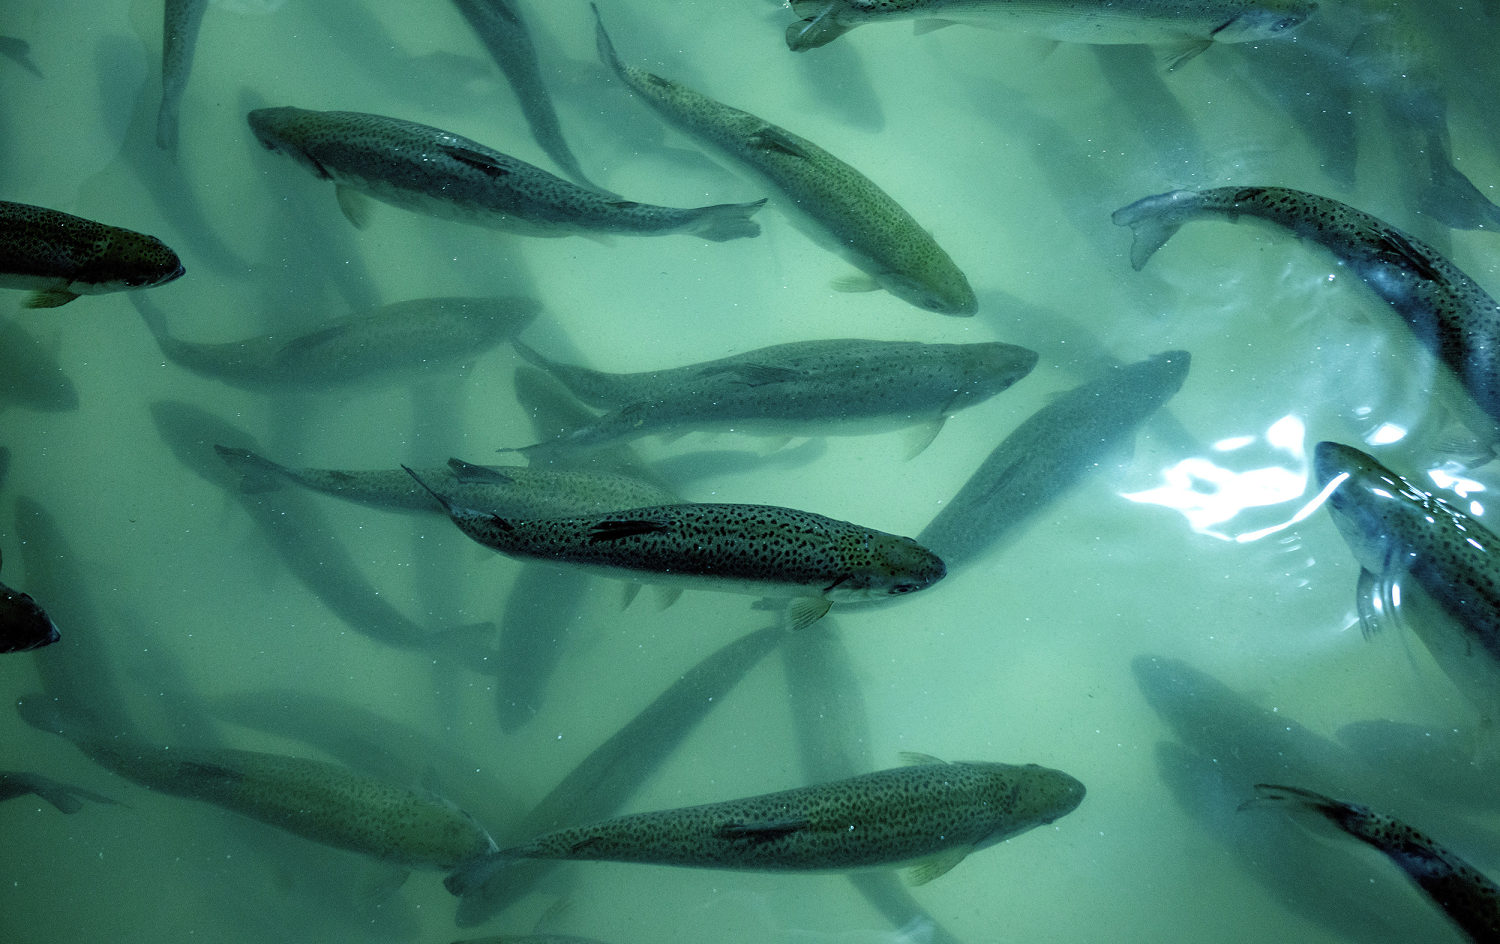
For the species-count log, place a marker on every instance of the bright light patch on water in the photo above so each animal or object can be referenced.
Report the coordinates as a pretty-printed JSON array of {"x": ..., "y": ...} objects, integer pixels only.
[
  {"x": 1385, "y": 434},
  {"x": 1459, "y": 485}
]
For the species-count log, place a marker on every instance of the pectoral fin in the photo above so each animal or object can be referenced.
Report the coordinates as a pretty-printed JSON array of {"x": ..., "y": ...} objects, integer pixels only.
[
  {"x": 933, "y": 866},
  {"x": 1177, "y": 56},
  {"x": 923, "y": 27},
  {"x": 805, "y": 611},
  {"x": 859, "y": 282},
  {"x": 50, "y": 298},
  {"x": 920, "y": 437},
  {"x": 356, "y": 206}
]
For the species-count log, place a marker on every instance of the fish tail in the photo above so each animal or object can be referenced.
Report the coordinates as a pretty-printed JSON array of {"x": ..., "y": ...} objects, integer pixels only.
[
  {"x": 1152, "y": 221},
  {"x": 818, "y": 26},
  {"x": 258, "y": 474},
  {"x": 727, "y": 221},
  {"x": 1351, "y": 817},
  {"x": 55, "y": 716},
  {"x": 476, "y": 874},
  {"x": 166, "y": 126},
  {"x": 607, "y": 53}
]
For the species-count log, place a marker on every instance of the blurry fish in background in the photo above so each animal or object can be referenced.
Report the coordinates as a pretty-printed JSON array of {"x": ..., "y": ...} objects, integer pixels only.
[
  {"x": 499, "y": 25},
  {"x": 1448, "y": 312},
  {"x": 929, "y": 816},
  {"x": 30, "y": 375},
  {"x": 605, "y": 780},
  {"x": 19, "y": 52},
  {"x": 1440, "y": 760},
  {"x": 1186, "y": 27},
  {"x": 394, "y": 343},
  {"x": 307, "y": 545},
  {"x": 23, "y": 624},
  {"x": 1053, "y": 450},
  {"x": 1398, "y": 530},
  {"x": 1468, "y": 897},
  {"x": 58, "y": 256},
  {"x": 427, "y": 170},
  {"x": 64, "y": 796},
  {"x": 1159, "y": 115},
  {"x": 802, "y": 388},
  {"x": 763, "y": 550},
  {"x": 179, "y": 40},
  {"x": 324, "y": 802},
  {"x": 833, "y": 204}
]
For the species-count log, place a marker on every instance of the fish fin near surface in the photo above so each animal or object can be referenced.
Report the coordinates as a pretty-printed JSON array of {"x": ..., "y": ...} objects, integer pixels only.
[
  {"x": 628, "y": 592},
  {"x": 469, "y": 473},
  {"x": 355, "y": 205},
  {"x": 727, "y": 221},
  {"x": 257, "y": 473},
  {"x": 49, "y": 298},
  {"x": 666, "y": 596},
  {"x": 805, "y": 611},
  {"x": 920, "y": 437},
  {"x": 1151, "y": 226},
  {"x": 1375, "y": 598},
  {"x": 476, "y": 873},
  {"x": 918, "y": 759},
  {"x": 858, "y": 282},
  {"x": 447, "y": 505},
  {"x": 1180, "y": 54},
  {"x": 936, "y": 865},
  {"x": 761, "y": 832},
  {"x": 620, "y": 528},
  {"x": 817, "y": 26}
]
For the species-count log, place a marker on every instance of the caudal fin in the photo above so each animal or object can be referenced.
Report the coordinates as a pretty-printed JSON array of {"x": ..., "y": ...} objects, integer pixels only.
[
  {"x": 259, "y": 474},
  {"x": 1152, "y": 221},
  {"x": 727, "y": 221},
  {"x": 819, "y": 25},
  {"x": 475, "y": 874}
]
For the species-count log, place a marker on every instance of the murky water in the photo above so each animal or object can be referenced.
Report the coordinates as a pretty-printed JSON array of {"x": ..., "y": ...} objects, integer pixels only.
[{"x": 1013, "y": 154}]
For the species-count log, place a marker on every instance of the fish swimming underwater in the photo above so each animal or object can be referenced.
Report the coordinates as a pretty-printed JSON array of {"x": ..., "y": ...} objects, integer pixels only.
[
  {"x": 762, "y": 550},
  {"x": 391, "y": 343},
  {"x": 179, "y": 40},
  {"x": 23, "y": 624},
  {"x": 509, "y": 491},
  {"x": 929, "y": 815},
  {"x": 1395, "y": 530},
  {"x": 1190, "y": 25},
  {"x": 802, "y": 388},
  {"x": 59, "y": 256},
  {"x": 65, "y": 797},
  {"x": 1469, "y": 898},
  {"x": 1448, "y": 312},
  {"x": 832, "y": 203},
  {"x": 428, "y": 170},
  {"x": 327, "y": 803}
]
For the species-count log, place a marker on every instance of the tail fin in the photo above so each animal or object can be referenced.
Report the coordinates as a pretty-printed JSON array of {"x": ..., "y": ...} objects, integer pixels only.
[
  {"x": 727, "y": 221},
  {"x": 1152, "y": 221},
  {"x": 259, "y": 473},
  {"x": 476, "y": 873},
  {"x": 607, "y": 53},
  {"x": 818, "y": 26}
]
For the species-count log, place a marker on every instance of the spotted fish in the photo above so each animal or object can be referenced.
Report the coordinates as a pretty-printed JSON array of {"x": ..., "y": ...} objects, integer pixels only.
[
  {"x": 180, "y": 22},
  {"x": 1398, "y": 530},
  {"x": 757, "y": 549},
  {"x": 1190, "y": 25},
  {"x": 1448, "y": 311},
  {"x": 428, "y": 170},
  {"x": 327, "y": 803},
  {"x": 1468, "y": 897},
  {"x": 929, "y": 815},
  {"x": 23, "y": 624},
  {"x": 59, "y": 256},
  {"x": 834, "y": 204},
  {"x": 392, "y": 342},
  {"x": 509, "y": 491},
  {"x": 802, "y": 388}
]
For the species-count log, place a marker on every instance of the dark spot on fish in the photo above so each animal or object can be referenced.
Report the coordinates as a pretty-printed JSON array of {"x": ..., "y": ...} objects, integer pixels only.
[
  {"x": 831, "y": 586},
  {"x": 759, "y": 832},
  {"x": 1248, "y": 193},
  {"x": 616, "y": 530}
]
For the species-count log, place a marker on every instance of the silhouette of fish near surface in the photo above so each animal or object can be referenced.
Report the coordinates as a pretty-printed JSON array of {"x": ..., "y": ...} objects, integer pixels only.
[
  {"x": 763, "y": 550},
  {"x": 23, "y": 624},
  {"x": 58, "y": 256},
  {"x": 802, "y": 388},
  {"x": 1448, "y": 312},
  {"x": 831, "y": 202},
  {"x": 428, "y": 170},
  {"x": 930, "y": 815},
  {"x": 1468, "y": 897}
]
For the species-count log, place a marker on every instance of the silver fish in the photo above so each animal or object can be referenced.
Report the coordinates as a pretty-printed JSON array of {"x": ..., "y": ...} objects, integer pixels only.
[
  {"x": 802, "y": 388},
  {"x": 179, "y": 40},
  {"x": 1447, "y": 311},
  {"x": 1396, "y": 530},
  {"x": 763, "y": 550},
  {"x": 428, "y": 170},
  {"x": 391, "y": 343},
  {"x": 326, "y": 803},
  {"x": 1192, "y": 25},
  {"x": 832, "y": 203},
  {"x": 1469, "y": 898},
  {"x": 59, "y": 256},
  {"x": 930, "y": 815}
]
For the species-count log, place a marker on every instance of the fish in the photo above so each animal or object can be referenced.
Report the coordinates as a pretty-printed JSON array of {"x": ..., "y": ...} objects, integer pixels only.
[
  {"x": 65, "y": 797},
  {"x": 428, "y": 170},
  {"x": 801, "y": 388},
  {"x": 832, "y": 203},
  {"x": 509, "y": 491},
  {"x": 24, "y": 625},
  {"x": 1398, "y": 530},
  {"x": 19, "y": 51},
  {"x": 324, "y": 802},
  {"x": 1053, "y": 450},
  {"x": 929, "y": 815},
  {"x": 1191, "y": 25},
  {"x": 179, "y": 40},
  {"x": 1469, "y": 898},
  {"x": 764, "y": 550},
  {"x": 499, "y": 25},
  {"x": 392, "y": 343},
  {"x": 59, "y": 256},
  {"x": 1449, "y": 313}
]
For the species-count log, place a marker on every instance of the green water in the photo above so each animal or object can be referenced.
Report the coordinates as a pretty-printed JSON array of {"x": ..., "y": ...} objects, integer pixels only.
[{"x": 1014, "y": 155}]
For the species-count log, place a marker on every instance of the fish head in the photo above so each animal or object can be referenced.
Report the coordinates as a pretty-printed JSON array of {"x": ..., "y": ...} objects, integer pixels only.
[
  {"x": 938, "y": 287},
  {"x": 887, "y": 565},
  {"x": 287, "y": 130},
  {"x": 1265, "y": 21},
  {"x": 991, "y": 367},
  {"x": 1371, "y": 505},
  {"x": 23, "y": 624},
  {"x": 1024, "y": 796},
  {"x": 126, "y": 260}
]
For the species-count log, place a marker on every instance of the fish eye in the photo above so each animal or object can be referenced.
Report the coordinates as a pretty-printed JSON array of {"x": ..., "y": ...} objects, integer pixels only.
[{"x": 903, "y": 588}]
